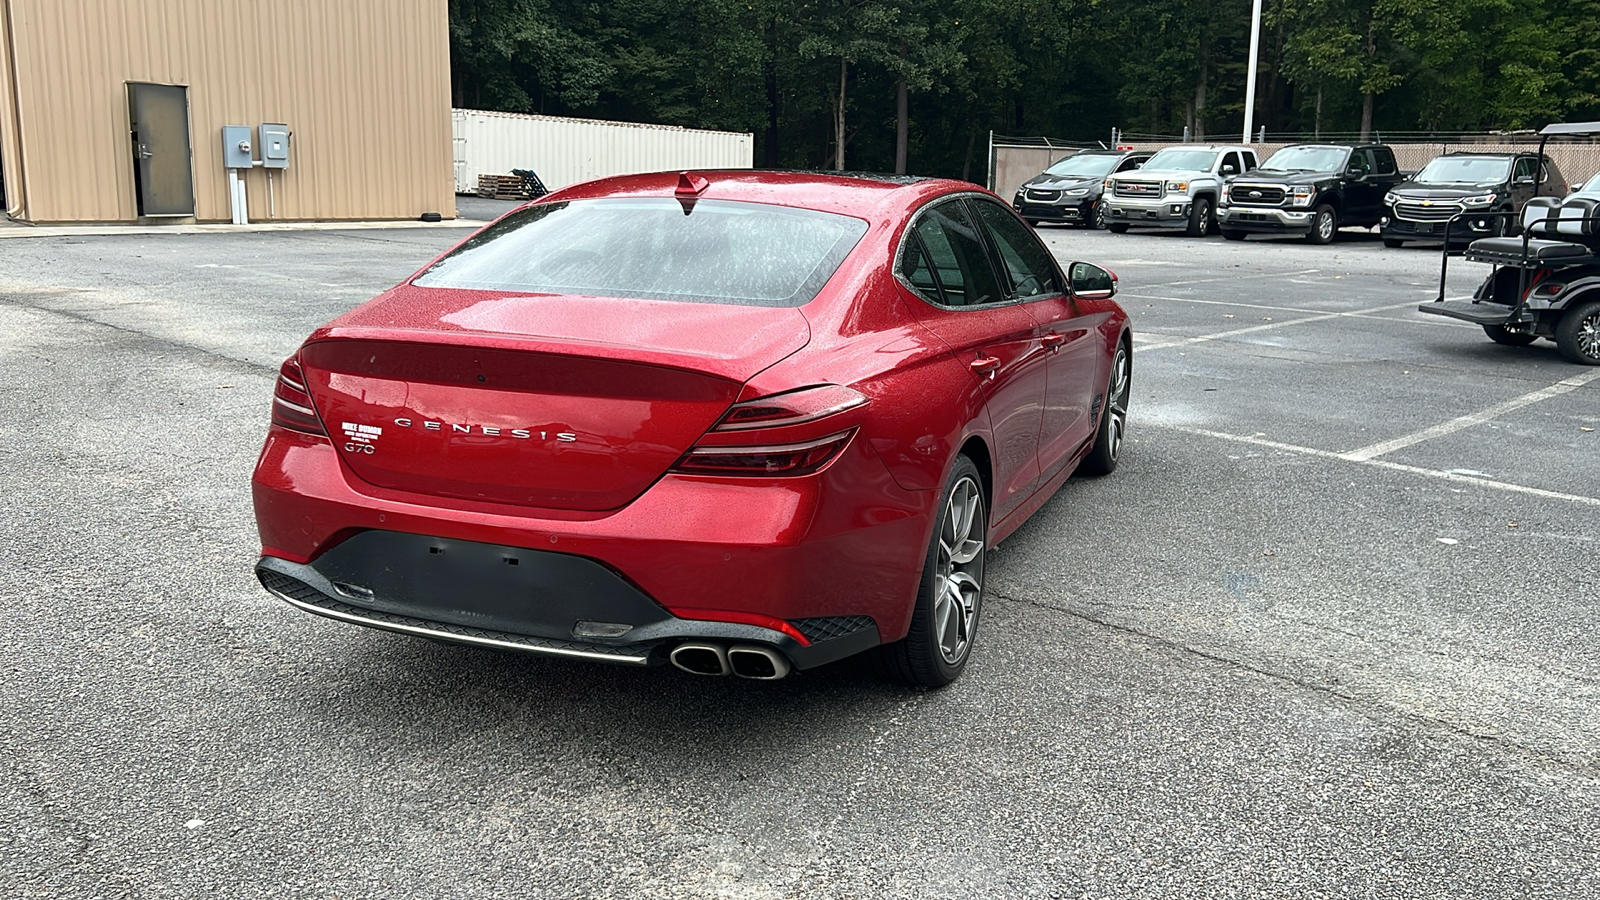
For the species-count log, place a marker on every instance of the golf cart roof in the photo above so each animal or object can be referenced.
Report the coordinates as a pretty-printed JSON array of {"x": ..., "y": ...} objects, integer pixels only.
[{"x": 1571, "y": 128}]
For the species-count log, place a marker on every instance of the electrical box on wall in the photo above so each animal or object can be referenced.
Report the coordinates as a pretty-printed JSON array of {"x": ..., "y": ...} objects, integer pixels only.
[
  {"x": 236, "y": 152},
  {"x": 274, "y": 146}
]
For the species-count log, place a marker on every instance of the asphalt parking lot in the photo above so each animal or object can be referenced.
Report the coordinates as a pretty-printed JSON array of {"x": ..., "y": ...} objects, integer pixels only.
[{"x": 1330, "y": 631}]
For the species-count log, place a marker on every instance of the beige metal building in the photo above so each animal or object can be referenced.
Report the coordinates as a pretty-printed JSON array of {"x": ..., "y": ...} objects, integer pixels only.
[{"x": 113, "y": 110}]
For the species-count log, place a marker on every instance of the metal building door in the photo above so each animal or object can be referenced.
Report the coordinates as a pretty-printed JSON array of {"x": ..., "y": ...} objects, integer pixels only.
[{"x": 162, "y": 168}]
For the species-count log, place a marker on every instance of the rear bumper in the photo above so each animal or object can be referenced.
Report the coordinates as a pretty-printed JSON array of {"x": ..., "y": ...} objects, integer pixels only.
[
  {"x": 308, "y": 589},
  {"x": 1265, "y": 220},
  {"x": 845, "y": 542}
]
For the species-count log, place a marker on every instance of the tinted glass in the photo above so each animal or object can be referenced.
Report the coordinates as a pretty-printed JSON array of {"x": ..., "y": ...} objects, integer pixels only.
[
  {"x": 1088, "y": 165},
  {"x": 914, "y": 268},
  {"x": 1231, "y": 159},
  {"x": 1359, "y": 162},
  {"x": 1308, "y": 159},
  {"x": 1026, "y": 261},
  {"x": 1249, "y": 160},
  {"x": 1131, "y": 163},
  {"x": 1524, "y": 168},
  {"x": 749, "y": 254},
  {"x": 1383, "y": 161},
  {"x": 960, "y": 261},
  {"x": 1465, "y": 170},
  {"x": 1178, "y": 158}
]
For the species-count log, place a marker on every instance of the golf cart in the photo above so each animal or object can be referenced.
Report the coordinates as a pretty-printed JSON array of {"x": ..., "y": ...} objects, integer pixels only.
[{"x": 1545, "y": 282}]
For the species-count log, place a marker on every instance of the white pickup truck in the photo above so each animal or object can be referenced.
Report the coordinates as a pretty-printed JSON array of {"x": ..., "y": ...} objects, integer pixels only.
[{"x": 1177, "y": 188}]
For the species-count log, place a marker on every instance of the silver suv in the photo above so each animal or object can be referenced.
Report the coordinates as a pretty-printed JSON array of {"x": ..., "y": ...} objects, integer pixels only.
[{"x": 1177, "y": 188}]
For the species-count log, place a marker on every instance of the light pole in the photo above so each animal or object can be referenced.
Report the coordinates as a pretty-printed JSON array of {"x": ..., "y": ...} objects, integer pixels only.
[{"x": 1250, "y": 79}]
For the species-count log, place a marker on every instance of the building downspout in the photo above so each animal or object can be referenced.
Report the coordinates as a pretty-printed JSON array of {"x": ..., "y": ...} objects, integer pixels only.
[{"x": 16, "y": 195}]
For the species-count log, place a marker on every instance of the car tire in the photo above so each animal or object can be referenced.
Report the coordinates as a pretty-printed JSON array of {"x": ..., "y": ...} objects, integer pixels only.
[
  {"x": 1501, "y": 335},
  {"x": 1108, "y": 437},
  {"x": 1324, "y": 225},
  {"x": 1578, "y": 334},
  {"x": 1234, "y": 235},
  {"x": 1117, "y": 228},
  {"x": 1200, "y": 222},
  {"x": 1393, "y": 243},
  {"x": 944, "y": 621},
  {"x": 1097, "y": 215}
]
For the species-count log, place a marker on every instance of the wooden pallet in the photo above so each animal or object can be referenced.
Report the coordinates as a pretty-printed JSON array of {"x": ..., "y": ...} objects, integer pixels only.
[{"x": 502, "y": 187}]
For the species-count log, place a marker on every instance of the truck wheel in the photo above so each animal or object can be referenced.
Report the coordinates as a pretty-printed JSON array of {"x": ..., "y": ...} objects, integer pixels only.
[
  {"x": 1501, "y": 335},
  {"x": 1324, "y": 225},
  {"x": 1393, "y": 243},
  {"x": 1578, "y": 334},
  {"x": 1233, "y": 235},
  {"x": 1117, "y": 228},
  {"x": 1199, "y": 218}
]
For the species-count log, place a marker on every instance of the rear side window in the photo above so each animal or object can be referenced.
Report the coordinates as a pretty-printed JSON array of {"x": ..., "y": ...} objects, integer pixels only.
[
  {"x": 1383, "y": 159},
  {"x": 1249, "y": 160},
  {"x": 719, "y": 251},
  {"x": 956, "y": 253}
]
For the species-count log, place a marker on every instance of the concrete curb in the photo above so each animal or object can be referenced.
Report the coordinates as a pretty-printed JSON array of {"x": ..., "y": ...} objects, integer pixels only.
[{"x": 20, "y": 230}]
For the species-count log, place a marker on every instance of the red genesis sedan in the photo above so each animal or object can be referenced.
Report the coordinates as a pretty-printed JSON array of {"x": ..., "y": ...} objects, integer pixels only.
[{"x": 743, "y": 422}]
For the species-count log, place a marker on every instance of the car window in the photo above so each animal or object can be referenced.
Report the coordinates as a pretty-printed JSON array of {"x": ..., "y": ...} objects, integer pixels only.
[
  {"x": 1249, "y": 160},
  {"x": 651, "y": 248},
  {"x": 1131, "y": 163},
  {"x": 1027, "y": 263},
  {"x": 959, "y": 259},
  {"x": 1359, "y": 162},
  {"x": 915, "y": 268},
  {"x": 1383, "y": 161},
  {"x": 1524, "y": 167},
  {"x": 1231, "y": 159}
]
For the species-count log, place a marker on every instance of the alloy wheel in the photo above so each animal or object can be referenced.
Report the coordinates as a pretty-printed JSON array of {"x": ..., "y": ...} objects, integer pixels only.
[
  {"x": 1117, "y": 403},
  {"x": 1589, "y": 336},
  {"x": 958, "y": 578}
]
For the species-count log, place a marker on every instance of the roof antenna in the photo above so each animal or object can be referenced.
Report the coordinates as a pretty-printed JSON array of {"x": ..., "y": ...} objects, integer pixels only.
[{"x": 689, "y": 189}]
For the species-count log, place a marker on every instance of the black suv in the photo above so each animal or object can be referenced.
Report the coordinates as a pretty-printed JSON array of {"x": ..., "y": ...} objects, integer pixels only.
[
  {"x": 1310, "y": 189},
  {"x": 1070, "y": 191},
  {"x": 1487, "y": 191}
]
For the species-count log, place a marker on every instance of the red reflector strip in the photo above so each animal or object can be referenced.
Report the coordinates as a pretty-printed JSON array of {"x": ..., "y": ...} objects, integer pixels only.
[{"x": 741, "y": 618}]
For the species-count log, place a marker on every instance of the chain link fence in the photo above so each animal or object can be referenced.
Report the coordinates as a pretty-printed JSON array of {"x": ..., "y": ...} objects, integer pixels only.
[{"x": 1013, "y": 160}]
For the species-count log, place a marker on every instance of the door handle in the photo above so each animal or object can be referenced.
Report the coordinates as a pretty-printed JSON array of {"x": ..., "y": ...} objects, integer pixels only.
[
  {"x": 985, "y": 365},
  {"x": 1053, "y": 340},
  {"x": 144, "y": 151}
]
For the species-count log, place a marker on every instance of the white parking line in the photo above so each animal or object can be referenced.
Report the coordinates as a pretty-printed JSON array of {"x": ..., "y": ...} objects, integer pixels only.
[
  {"x": 1467, "y": 421},
  {"x": 1236, "y": 278},
  {"x": 1385, "y": 464},
  {"x": 1204, "y": 338}
]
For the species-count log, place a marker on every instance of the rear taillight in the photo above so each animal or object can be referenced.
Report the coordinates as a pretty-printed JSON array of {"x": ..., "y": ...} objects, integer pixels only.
[
  {"x": 794, "y": 433},
  {"x": 291, "y": 401}
]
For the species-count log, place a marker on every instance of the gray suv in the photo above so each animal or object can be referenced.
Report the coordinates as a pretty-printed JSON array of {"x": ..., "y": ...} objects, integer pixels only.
[{"x": 1176, "y": 188}]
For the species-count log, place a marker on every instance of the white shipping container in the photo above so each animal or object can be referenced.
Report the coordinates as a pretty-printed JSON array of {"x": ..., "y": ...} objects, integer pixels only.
[{"x": 567, "y": 151}]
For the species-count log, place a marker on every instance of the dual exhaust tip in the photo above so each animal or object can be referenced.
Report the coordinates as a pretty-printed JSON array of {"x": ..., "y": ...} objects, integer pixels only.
[{"x": 743, "y": 660}]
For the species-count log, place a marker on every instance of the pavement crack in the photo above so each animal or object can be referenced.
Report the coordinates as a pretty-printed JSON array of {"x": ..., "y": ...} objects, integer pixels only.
[
  {"x": 1364, "y": 705},
  {"x": 18, "y": 302}
]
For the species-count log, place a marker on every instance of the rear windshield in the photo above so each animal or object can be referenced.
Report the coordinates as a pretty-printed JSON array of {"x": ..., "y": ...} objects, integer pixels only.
[{"x": 718, "y": 251}]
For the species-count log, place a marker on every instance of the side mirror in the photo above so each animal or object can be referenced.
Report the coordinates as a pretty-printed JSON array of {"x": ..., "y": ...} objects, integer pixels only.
[
  {"x": 1090, "y": 282},
  {"x": 1524, "y": 180},
  {"x": 1229, "y": 170},
  {"x": 1354, "y": 172},
  {"x": 1140, "y": 164}
]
